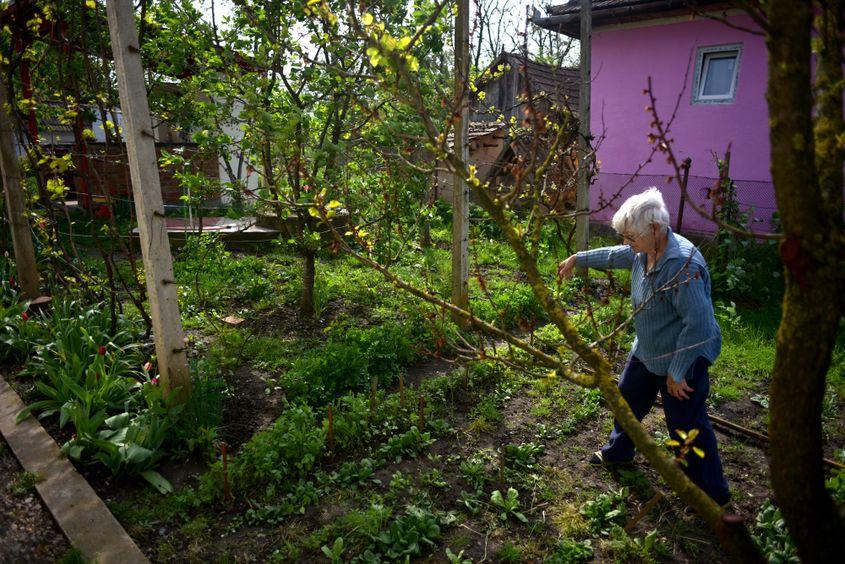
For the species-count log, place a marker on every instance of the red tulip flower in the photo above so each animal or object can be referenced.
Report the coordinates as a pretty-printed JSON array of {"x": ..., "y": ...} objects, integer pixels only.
[
  {"x": 148, "y": 366},
  {"x": 24, "y": 316},
  {"x": 154, "y": 381},
  {"x": 101, "y": 351},
  {"x": 11, "y": 281}
]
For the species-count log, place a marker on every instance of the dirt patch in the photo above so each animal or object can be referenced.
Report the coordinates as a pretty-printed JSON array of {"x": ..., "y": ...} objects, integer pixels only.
[
  {"x": 249, "y": 407},
  {"x": 27, "y": 530}
]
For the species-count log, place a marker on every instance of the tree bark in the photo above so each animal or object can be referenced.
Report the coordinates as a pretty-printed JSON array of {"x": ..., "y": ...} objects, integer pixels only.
[
  {"x": 812, "y": 252},
  {"x": 28, "y": 277}
]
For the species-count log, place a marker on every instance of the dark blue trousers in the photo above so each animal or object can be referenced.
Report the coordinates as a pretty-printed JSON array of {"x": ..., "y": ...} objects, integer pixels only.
[{"x": 639, "y": 387}]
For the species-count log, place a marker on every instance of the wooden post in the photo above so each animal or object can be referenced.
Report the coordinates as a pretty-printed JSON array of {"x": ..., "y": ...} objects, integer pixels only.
[
  {"x": 143, "y": 167},
  {"x": 21, "y": 234},
  {"x": 460, "y": 190},
  {"x": 582, "y": 198},
  {"x": 686, "y": 166}
]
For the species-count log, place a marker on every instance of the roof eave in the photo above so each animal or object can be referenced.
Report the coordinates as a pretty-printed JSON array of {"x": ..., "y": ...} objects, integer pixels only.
[{"x": 570, "y": 24}]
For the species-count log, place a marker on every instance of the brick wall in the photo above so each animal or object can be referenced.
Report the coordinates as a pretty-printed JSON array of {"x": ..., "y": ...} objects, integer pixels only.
[{"x": 109, "y": 170}]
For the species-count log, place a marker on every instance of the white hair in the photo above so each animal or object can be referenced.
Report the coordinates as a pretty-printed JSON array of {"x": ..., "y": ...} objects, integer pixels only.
[{"x": 641, "y": 211}]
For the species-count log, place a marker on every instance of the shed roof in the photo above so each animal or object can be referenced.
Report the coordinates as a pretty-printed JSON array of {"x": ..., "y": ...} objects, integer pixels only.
[
  {"x": 560, "y": 84},
  {"x": 566, "y": 18}
]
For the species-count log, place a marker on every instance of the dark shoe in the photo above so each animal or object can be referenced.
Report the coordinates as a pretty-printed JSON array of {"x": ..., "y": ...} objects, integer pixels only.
[{"x": 597, "y": 459}]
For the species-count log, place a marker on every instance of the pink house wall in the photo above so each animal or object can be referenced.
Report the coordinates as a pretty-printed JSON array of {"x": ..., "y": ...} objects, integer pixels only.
[{"x": 622, "y": 61}]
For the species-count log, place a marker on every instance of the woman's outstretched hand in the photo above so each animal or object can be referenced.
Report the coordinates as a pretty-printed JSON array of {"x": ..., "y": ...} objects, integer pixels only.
[
  {"x": 565, "y": 268},
  {"x": 679, "y": 390}
]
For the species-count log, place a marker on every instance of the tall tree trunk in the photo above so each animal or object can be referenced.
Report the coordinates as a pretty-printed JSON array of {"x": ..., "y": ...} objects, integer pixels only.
[
  {"x": 28, "y": 276},
  {"x": 812, "y": 252},
  {"x": 306, "y": 300}
]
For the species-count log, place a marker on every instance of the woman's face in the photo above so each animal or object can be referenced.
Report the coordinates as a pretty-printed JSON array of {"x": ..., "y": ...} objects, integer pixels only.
[{"x": 641, "y": 242}]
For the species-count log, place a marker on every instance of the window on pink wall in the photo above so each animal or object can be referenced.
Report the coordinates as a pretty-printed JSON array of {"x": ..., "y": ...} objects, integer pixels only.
[{"x": 716, "y": 71}]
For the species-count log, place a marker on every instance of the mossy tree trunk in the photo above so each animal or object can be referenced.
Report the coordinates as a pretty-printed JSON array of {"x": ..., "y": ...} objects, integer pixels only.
[{"x": 807, "y": 163}]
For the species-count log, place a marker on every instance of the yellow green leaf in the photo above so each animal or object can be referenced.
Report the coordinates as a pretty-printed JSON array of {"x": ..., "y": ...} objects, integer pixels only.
[
  {"x": 682, "y": 434},
  {"x": 698, "y": 451},
  {"x": 672, "y": 443},
  {"x": 367, "y": 19},
  {"x": 313, "y": 212},
  {"x": 333, "y": 204}
]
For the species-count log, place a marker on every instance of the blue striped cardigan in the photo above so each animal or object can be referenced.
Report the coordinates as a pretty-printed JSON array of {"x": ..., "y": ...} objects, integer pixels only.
[{"x": 673, "y": 312}]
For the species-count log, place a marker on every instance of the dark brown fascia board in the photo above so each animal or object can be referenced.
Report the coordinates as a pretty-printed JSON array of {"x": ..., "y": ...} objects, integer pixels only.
[{"x": 636, "y": 10}]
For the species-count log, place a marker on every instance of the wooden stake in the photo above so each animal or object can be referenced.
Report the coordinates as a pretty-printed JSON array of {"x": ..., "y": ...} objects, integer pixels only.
[
  {"x": 582, "y": 198},
  {"x": 643, "y": 512},
  {"x": 460, "y": 190},
  {"x": 402, "y": 390},
  {"x": 143, "y": 166},
  {"x": 21, "y": 234}
]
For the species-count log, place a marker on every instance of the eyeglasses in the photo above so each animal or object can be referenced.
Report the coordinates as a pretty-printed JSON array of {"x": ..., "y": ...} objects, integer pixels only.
[{"x": 627, "y": 237}]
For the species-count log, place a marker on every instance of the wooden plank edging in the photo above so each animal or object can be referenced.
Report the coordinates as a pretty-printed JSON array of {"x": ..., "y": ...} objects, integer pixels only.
[{"x": 80, "y": 513}]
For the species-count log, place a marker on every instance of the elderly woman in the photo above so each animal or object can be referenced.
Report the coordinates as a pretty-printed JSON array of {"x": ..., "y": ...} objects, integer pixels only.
[{"x": 677, "y": 337}]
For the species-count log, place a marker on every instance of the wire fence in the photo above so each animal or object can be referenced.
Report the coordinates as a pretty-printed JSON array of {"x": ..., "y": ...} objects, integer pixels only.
[{"x": 755, "y": 198}]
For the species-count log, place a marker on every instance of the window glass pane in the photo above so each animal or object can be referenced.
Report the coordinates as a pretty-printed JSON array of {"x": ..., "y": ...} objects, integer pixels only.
[{"x": 719, "y": 73}]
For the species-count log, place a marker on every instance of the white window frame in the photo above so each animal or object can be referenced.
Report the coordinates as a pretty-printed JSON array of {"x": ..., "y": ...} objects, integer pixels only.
[{"x": 702, "y": 61}]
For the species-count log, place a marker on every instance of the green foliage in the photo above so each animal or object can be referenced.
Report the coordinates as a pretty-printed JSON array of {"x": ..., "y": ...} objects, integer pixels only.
[
  {"x": 405, "y": 445},
  {"x": 273, "y": 460},
  {"x": 197, "y": 420},
  {"x": 413, "y": 534},
  {"x": 210, "y": 277},
  {"x": 772, "y": 537},
  {"x": 740, "y": 267},
  {"x": 350, "y": 359},
  {"x": 25, "y": 482},
  {"x": 836, "y": 486},
  {"x": 626, "y": 548},
  {"x": 524, "y": 456},
  {"x": 507, "y": 505},
  {"x": 605, "y": 511},
  {"x": 474, "y": 471},
  {"x": 571, "y": 551},
  {"x": 327, "y": 372}
]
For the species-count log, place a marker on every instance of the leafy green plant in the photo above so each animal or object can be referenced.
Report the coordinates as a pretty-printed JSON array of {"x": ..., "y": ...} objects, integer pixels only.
[
  {"x": 524, "y": 456},
  {"x": 25, "y": 482},
  {"x": 571, "y": 551},
  {"x": 413, "y": 534},
  {"x": 474, "y": 471},
  {"x": 408, "y": 444},
  {"x": 607, "y": 510},
  {"x": 507, "y": 505},
  {"x": 130, "y": 443},
  {"x": 627, "y": 548},
  {"x": 836, "y": 486},
  {"x": 334, "y": 553},
  {"x": 772, "y": 536},
  {"x": 274, "y": 459},
  {"x": 457, "y": 558}
]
